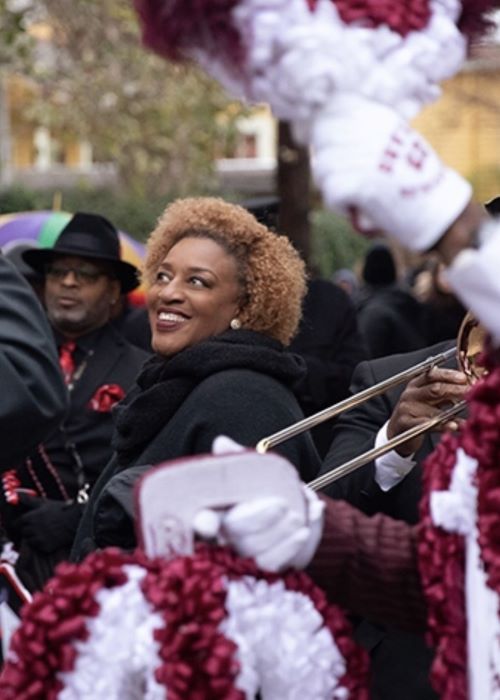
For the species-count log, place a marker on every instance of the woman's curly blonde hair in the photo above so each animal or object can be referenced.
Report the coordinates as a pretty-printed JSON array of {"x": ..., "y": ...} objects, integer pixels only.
[{"x": 271, "y": 272}]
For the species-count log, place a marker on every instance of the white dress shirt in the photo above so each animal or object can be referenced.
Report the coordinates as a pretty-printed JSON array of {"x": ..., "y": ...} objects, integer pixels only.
[{"x": 390, "y": 468}]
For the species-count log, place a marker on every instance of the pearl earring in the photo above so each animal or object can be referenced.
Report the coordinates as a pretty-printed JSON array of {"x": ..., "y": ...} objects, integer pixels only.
[{"x": 235, "y": 324}]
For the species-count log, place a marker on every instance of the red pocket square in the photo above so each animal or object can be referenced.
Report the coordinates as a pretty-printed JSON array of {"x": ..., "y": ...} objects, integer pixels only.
[{"x": 105, "y": 397}]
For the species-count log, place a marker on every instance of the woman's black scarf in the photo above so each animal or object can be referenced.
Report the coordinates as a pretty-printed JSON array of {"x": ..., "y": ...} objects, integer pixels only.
[{"x": 163, "y": 385}]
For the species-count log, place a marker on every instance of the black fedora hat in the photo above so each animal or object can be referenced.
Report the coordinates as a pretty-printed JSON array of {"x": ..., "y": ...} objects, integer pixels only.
[{"x": 88, "y": 236}]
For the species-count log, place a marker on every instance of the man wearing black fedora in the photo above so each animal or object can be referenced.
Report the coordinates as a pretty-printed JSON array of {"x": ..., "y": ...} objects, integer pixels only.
[{"x": 84, "y": 277}]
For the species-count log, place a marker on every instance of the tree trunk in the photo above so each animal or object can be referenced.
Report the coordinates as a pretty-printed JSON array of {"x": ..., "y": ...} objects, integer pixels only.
[
  {"x": 5, "y": 135},
  {"x": 293, "y": 184}
]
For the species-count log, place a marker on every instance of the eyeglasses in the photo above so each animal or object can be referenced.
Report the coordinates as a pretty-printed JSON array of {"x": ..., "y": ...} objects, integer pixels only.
[{"x": 83, "y": 274}]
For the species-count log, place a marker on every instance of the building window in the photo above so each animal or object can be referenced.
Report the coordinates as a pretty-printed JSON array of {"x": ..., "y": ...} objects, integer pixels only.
[{"x": 246, "y": 146}]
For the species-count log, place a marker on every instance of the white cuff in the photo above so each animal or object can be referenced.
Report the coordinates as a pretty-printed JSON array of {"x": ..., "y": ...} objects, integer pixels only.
[
  {"x": 390, "y": 468},
  {"x": 474, "y": 276}
]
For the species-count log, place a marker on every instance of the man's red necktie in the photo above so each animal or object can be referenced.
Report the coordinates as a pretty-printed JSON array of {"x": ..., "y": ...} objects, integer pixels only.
[{"x": 66, "y": 360}]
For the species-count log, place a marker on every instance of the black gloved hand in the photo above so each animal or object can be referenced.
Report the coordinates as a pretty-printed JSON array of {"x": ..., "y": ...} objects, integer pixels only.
[
  {"x": 10, "y": 507},
  {"x": 48, "y": 525}
]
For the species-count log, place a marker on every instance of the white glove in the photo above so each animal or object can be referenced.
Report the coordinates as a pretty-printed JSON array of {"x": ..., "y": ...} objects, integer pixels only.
[
  {"x": 369, "y": 163},
  {"x": 266, "y": 528},
  {"x": 474, "y": 276},
  {"x": 223, "y": 445}
]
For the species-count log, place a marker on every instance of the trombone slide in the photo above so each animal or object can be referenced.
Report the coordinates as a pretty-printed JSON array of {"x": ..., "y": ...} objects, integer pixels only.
[
  {"x": 271, "y": 441},
  {"x": 325, "y": 479}
]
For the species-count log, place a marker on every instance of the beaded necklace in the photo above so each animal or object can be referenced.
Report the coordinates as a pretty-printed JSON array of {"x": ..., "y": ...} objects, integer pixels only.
[{"x": 79, "y": 469}]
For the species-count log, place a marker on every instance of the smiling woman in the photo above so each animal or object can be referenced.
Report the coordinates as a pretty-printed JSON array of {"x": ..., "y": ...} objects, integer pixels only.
[
  {"x": 224, "y": 296},
  {"x": 196, "y": 294},
  {"x": 270, "y": 271}
]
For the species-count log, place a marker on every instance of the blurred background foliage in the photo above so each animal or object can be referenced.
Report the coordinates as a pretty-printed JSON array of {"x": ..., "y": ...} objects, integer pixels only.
[
  {"x": 92, "y": 79},
  {"x": 334, "y": 243},
  {"x": 134, "y": 214},
  {"x": 15, "y": 43}
]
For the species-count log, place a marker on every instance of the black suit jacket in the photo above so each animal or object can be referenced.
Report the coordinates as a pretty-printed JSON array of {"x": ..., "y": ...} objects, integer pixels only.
[
  {"x": 355, "y": 433},
  {"x": 400, "y": 661},
  {"x": 329, "y": 342},
  {"x": 106, "y": 359}
]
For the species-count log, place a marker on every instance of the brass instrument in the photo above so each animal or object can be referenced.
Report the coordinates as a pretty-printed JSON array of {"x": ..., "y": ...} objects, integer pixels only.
[{"x": 470, "y": 343}]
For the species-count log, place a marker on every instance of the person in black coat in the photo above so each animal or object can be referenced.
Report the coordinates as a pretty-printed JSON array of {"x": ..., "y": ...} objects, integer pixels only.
[
  {"x": 390, "y": 319},
  {"x": 33, "y": 399},
  {"x": 84, "y": 277},
  {"x": 224, "y": 298},
  {"x": 400, "y": 661},
  {"x": 329, "y": 342}
]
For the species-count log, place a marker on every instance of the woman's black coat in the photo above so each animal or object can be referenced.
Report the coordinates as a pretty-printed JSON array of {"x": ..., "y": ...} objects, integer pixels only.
[{"x": 244, "y": 404}]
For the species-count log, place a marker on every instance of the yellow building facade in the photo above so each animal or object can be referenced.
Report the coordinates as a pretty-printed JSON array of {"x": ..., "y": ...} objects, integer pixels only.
[
  {"x": 464, "y": 125},
  {"x": 32, "y": 145}
]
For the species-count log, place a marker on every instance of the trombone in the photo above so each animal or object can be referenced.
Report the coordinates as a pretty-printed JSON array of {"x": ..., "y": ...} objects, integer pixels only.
[{"x": 469, "y": 346}]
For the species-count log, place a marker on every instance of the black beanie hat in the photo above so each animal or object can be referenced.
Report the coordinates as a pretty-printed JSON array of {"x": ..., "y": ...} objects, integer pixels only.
[{"x": 379, "y": 268}]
